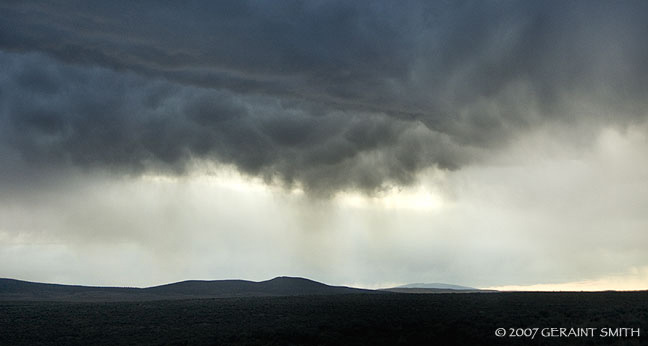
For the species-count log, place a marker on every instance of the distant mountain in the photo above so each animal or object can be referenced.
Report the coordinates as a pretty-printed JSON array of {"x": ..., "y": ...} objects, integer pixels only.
[
  {"x": 437, "y": 286},
  {"x": 434, "y": 288},
  {"x": 281, "y": 286}
]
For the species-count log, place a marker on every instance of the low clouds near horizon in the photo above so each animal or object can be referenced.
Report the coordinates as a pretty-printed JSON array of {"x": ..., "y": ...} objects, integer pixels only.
[{"x": 456, "y": 101}]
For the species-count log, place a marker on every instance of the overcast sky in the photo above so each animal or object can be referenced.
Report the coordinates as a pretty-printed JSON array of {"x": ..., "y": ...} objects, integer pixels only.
[{"x": 480, "y": 143}]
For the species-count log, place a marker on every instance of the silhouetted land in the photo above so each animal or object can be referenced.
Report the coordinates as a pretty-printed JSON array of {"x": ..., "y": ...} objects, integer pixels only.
[
  {"x": 437, "y": 285},
  {"x": 280, "y": 286},
  {"x": 342, "y": 319},
  {"x": 434, "y": 290}
]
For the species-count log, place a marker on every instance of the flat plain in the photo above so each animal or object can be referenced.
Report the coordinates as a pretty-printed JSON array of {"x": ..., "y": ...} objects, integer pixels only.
[{"x": 343, "y": 319}]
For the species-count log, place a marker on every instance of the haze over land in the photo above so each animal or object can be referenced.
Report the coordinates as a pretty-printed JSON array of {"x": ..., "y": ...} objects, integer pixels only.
[{"x": 487, "y": 144}]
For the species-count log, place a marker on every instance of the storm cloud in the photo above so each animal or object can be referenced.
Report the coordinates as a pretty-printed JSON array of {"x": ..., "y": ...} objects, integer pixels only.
[
  {"x": 481, "y": 143},
  {"x": 324, "y": 95}
]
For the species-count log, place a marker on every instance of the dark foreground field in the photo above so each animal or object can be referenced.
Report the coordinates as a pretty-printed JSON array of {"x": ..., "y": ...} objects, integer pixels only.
[{"x": 354, "y": 319}]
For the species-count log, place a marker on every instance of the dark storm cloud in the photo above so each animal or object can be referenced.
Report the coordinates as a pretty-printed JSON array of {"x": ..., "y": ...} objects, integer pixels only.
[
  {"x": 328, "y": 94},
  {"x": 56, "y": 115}
]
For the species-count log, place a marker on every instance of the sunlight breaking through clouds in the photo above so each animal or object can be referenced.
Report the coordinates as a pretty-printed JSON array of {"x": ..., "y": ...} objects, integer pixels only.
[
  {"x": 414, "y": 198},
  {"x": 491, "y": 144}
]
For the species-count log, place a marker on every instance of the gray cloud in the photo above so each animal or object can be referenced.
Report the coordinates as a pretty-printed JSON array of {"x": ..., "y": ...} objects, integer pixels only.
[{"x": 328, "y": 94}]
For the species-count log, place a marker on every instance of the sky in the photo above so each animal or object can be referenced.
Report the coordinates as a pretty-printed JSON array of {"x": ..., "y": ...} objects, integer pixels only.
[{"x": 492, "y": 144}]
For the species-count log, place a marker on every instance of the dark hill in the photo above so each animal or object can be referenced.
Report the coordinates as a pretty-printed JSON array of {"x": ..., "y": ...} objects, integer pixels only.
[
  {"x": 24, "y": 290},
  {"x": 281, "y": 286}
]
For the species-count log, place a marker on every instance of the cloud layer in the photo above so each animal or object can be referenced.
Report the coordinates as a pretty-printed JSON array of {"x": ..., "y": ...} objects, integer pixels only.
[
  {"x": 477, "y": 143},
  {"x": 325, "y": 95}
]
